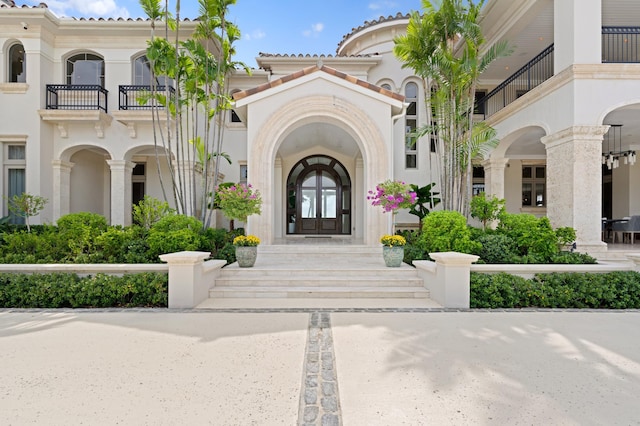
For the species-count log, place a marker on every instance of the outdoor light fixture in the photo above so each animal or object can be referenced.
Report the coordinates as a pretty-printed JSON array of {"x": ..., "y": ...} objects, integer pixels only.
[{"x": 614, "y": 148}]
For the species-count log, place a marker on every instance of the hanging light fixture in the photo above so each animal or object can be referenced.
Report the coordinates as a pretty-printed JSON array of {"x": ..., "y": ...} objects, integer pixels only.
[{"x": 614, "y": 149}]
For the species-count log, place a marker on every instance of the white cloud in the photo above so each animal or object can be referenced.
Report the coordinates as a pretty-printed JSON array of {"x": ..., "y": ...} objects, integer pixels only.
[
  {"x": 255, "y": 35},
  {"x": 314, "y": 31},
  {"x": 382, "y": 4},
  {"x": 87, "y": 8}
]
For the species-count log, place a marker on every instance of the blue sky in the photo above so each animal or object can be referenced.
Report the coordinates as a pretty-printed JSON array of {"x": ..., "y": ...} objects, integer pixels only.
[{"x": 268, "y": 26}]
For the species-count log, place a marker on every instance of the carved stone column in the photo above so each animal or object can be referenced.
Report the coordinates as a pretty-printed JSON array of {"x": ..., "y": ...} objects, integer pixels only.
[{"x": 574, "y": 183}]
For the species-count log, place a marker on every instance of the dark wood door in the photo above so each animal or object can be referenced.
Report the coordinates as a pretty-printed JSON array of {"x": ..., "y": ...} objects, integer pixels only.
[{"x": 318, "y": 193}]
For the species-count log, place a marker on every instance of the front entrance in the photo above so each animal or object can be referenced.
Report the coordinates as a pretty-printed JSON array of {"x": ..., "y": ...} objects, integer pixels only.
[{"x": 318, "y": 197}]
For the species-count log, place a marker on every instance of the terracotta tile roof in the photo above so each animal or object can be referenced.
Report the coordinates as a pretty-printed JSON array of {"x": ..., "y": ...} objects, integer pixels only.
[
  {"x": 368, "y": 24},
  {"x": 306, "y": 55},
  {"x": 309, "y": 70},
  {"x": 12, "y": 4}
]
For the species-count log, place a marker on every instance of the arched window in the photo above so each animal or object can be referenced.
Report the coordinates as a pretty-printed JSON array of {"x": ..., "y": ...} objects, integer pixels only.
[
  {"x": 411, "y": 125},
  {"x": 142, "y": 73},
  {"x": 85, "y": 68},
  {"x": 17, "y": 64}
]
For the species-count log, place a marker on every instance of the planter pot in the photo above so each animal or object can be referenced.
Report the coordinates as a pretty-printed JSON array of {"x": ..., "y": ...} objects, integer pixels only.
[
  {"x": 246, "y": 256},
  {"x": 393, "y": 255}
]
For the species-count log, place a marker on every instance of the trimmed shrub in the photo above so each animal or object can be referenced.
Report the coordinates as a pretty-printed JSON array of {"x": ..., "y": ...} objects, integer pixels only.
[
  {"x": 63, "y": 290},
  {"x": 174, "y": 233},
  {"x": 496, "y": 248},
  {"x": 534, "y": 237},
  {"x": 79, "y": 231},
  {"x": 614, "y": 290},
  {"x": 446, "y": 230}
]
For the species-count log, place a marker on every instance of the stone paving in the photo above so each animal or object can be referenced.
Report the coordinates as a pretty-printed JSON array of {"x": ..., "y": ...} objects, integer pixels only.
[
  {"x": 319, "y": 366},
  {"x": 319, "y": 399}
]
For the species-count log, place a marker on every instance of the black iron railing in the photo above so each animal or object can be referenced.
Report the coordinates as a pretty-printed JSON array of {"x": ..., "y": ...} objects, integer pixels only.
[
  {"x": 621, "y": 45},
  {"x": 139, "y": 97},
  {"x": 534, "y": 73},
  {"x": 76, "y": 96}
]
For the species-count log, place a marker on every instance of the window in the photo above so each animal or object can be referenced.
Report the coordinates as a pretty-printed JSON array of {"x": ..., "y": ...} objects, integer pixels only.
[
  {"x": 243, "y": 172},
  {"x": 433, "y": 134},
  {"x": 478, "y": 180},
  {"x": 85, "y": 68},
  {"x": 137, "y": 182},
  {"x": 17, "y": 64},
  {"x": 534, "y": 186},
  {"x": 14, "y": 175},
  {"x": 479, "y": 107},
  {"x": 142, "y": 73},
  {"x": 411, "y": 125}
]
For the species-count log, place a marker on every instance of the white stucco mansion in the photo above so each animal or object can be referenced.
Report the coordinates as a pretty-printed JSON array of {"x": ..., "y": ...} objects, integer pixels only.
[{"x": 314, "y": 134}]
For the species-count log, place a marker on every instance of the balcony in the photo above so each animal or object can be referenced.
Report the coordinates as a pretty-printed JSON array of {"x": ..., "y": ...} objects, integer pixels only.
[
  {"x": 76, "y": 97},
  {"x": 137, "y": 97},
  {"x": 532, "y": 74},
  {"x": 76, "y": 103},
  {"x": 620, "y": 45},
  {"x": 136, "y": 106}
]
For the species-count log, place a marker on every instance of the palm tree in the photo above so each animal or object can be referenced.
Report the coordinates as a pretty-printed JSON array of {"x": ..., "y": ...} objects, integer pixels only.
[
  {"x": 199, "y": 66},
  {"x": 443, "y": 47}
]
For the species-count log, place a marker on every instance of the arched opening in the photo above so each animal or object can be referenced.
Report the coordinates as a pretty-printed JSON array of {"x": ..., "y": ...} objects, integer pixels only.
[
  {"x": 318, "y": 197},
  {"x": 85, "y": 68},
  {"x": 17, "y": 64}
]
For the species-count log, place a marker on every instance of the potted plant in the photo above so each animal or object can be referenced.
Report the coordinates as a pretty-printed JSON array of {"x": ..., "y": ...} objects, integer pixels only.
[
  {"x": 393, "y": 195},
  {"x": 246, "y": 250},
  {"x": 393, "y": 249},
  {"x": 238, "y": 201}
]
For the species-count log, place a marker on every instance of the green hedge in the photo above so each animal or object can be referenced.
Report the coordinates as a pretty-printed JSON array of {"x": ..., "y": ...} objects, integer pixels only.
[
  {"x": 65, "y": 290},
  {"x": 85, "y": 238},
  {"x": 614, "y": 290}
]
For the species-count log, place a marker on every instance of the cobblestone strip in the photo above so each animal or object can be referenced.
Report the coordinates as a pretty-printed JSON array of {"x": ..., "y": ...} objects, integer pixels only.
[{"x": 319, "y": 399}]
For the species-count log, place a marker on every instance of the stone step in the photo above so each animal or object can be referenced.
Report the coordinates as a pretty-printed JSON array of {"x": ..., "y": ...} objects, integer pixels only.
[
  {"x": 297, "y": 281},
  {"x": 351, "y": 271},
  {"x": 319, "y": 292},
  {"x": 319, "y": 250},
  {"x": 346, "y": 271}
]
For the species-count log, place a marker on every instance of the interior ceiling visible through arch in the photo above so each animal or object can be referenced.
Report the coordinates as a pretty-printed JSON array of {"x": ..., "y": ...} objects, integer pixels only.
[
  {"x": 319, "y": 134},
  {"x": 528, "y": 145}
]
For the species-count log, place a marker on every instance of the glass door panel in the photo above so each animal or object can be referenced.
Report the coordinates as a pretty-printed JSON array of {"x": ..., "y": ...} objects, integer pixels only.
[
  {"x": 308, "y": 203},
  {"x": 329, "y": 203}
]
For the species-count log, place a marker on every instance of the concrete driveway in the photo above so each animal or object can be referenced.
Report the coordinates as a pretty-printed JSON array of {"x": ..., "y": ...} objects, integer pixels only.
[{"x": 265, "y": 366}]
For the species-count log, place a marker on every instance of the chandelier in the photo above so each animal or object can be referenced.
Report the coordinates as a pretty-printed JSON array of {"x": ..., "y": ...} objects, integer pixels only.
[{"x": 614, "y": 149}]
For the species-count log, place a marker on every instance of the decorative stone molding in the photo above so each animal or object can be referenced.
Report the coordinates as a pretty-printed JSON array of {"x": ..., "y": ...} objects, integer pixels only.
[
  {"x": 334, "y": 110},
  {"x": 14, "y": 88},
  {"x": 132, "y": 119},
  {"x": 62, "y": 119}
]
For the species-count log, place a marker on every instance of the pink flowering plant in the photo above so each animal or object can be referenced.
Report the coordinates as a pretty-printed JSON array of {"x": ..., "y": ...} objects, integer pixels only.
[
  {"x": 238, "y": 201},
  {"x": 392, "y": 195}
]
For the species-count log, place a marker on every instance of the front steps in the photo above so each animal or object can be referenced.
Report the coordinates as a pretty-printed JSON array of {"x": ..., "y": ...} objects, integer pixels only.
[{"x": 319, "y": 271}]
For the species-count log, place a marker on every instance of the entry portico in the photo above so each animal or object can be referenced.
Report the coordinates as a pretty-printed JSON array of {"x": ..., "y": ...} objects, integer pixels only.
[{"x": 357, "y": 121}]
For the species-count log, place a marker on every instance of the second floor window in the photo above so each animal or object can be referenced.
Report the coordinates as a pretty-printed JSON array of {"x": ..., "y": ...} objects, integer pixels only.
[
  {"x": 142, "y": 73},
  {"x": 85, "y": 68},
  {"x": 17, "y": 64},
  {"x": 411, "y": 125}
]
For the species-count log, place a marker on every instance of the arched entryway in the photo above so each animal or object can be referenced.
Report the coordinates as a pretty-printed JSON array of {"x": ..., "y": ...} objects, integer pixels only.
[{"x": 318, "y": 197}]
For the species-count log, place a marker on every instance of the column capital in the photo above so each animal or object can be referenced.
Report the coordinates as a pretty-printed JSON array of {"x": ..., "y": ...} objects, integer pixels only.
[
  {"x": 494, "y": 162},
  {"x": 62, "y": 165},
  {"x": 120, "y": 164},
  {"x": 594, "y": 133}
]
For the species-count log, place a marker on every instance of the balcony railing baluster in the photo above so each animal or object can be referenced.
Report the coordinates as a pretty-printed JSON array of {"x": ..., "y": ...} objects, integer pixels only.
[
  {"x": 619, "y": 45},
  {"x": 131, "y": 96},
  {"x": 76, "y": 97}
]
